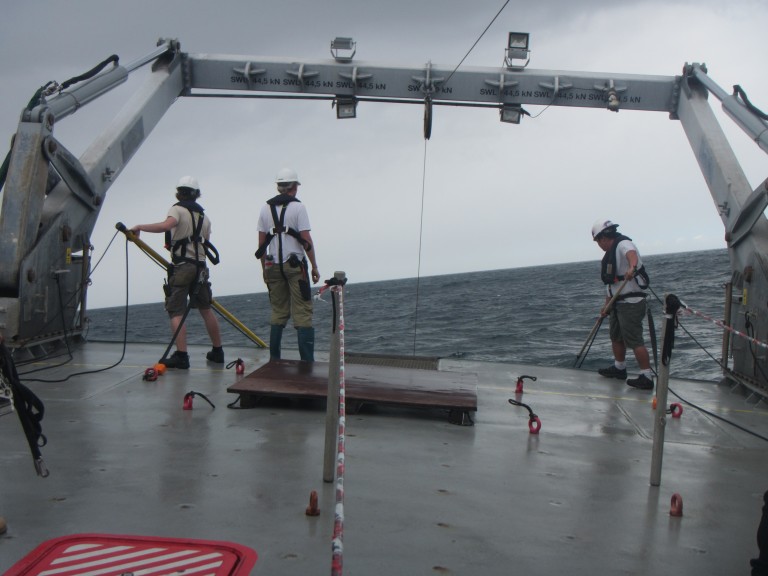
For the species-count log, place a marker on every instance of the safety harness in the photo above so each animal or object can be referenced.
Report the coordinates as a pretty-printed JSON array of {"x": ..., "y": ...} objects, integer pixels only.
[
  {"x": 608, "y": 268},
  {"x": 196, "y": 238},
  {"x": 280, "y": 228},
  {"x": 28, "y": 406},
  {"x": 200, "y": 274}
]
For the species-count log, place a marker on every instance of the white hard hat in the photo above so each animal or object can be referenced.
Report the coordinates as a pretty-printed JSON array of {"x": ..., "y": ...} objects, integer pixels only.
[
  {"x": 602, "y": 226},
  {"x": 286, "y": 175},
  {"x": 188, "y": 182}
]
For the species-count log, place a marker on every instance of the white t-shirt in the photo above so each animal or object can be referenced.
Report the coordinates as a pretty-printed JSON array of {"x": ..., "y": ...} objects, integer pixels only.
[
  {"x": 296, "y": 217},
  {"x": 622, "y": 267}
]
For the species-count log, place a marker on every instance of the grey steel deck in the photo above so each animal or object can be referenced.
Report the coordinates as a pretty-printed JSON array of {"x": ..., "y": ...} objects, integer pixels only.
[{"x": 422, "y": 496}]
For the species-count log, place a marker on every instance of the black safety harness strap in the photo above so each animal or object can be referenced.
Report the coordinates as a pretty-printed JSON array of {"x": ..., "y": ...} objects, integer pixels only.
[
  {"x": 609, "y": 266},
  {"x": 280, "y": 227},
  {"x": 196, "y": 238},
  {"x": 29, "y": 408}
]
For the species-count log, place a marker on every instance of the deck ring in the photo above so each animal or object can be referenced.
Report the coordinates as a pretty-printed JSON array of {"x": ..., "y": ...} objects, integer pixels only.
[
  {"x": 534, "y": 424},
  {"x": 676, "y": 409},
  {"x": 676, "y": 506}
]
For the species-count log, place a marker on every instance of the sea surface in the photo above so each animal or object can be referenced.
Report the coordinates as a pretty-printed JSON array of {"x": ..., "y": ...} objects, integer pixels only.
[{"x": 539, "y": 315}]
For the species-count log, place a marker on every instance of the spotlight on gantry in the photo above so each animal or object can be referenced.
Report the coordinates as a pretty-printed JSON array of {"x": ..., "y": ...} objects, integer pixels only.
[
  {"x": 517, "y": 54},
  {"x": 512, "y": 113},
  {"x": 343, "y": 49},
  {"x": 346, "y": 107}
]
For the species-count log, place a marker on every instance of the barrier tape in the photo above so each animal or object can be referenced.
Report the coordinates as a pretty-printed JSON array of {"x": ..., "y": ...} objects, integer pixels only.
[
  {"x": 320, "y": 291},
  {"x": 724, "y": 326},
  {"x": 337, "y": 544}
]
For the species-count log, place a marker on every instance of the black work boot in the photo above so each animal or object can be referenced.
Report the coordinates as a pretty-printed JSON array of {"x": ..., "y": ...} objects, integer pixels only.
[
  {"x": 216, "y": 355},
  {"x": 642, "y": 382},
  {"x": 613, "y": 372},
  {"x": 178, "y": 360}
]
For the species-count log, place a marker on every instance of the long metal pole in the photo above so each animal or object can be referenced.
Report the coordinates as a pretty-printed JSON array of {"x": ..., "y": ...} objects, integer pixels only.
[
  {"x": 244, "y": 330},
  {"x": 332, "y": 398},
  {"x": 603, "y": 312},
  {"x": 660, "y": 423},
  {"x": 147, "y": 249},
  {"x": 727, "y": 322}
]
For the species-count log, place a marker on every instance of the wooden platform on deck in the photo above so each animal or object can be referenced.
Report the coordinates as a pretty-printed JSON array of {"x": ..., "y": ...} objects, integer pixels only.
[{"x": 368, "y": 380}]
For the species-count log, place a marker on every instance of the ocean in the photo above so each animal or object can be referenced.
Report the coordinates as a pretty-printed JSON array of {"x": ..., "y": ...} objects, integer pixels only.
[{"x": 539, "y": 315}]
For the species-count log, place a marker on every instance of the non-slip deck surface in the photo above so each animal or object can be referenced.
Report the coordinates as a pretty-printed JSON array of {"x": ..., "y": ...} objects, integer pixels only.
[{"x": 422, "y": 496}]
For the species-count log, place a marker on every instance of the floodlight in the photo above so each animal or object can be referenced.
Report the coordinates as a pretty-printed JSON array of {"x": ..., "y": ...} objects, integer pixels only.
[
  {"x": 517, "y": 52},
  {"x": 346, "y": 107},
  {"x": 518, "y": 40},
  {"x": 343, "y": 49},
  {"x": 511, "y": 113}
]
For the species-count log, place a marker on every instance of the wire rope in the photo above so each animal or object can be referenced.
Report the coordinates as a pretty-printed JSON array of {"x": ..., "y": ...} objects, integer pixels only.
[
  {"x": 421, "y": 233},
  {"x": 424, "y": 179},
  {"x": 125, "y": 332},
  {"x": 476, "y": 41}
]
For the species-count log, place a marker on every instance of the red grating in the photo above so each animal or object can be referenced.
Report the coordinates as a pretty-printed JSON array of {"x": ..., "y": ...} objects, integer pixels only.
[{"x": 109, "y": 555}]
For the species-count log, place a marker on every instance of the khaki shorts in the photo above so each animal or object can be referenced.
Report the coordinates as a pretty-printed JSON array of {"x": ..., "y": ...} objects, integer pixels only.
[
  {"x": 626, "y": 323},
  {"x": 183, "y": 284}
]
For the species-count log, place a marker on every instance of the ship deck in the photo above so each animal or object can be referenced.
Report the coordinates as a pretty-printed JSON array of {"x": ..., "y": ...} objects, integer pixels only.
[{"x": 421, "y": 495}]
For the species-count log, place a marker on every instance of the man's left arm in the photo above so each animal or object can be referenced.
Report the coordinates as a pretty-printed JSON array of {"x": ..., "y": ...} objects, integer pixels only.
[{"x": 307, "y": 237}]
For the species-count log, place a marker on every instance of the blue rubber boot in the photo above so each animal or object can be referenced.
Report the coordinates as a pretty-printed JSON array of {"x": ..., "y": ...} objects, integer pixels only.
[
  {"x": 306, "y": 338},
  {"x": 275, "y": 337}
]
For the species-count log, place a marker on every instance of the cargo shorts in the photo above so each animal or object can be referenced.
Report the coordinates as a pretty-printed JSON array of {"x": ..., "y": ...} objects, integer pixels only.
[
  {"x": 185, "y": 284},
  {"x": 626, "y": 323}
]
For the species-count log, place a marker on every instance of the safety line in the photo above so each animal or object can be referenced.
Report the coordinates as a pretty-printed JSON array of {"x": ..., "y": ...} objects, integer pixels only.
[
  {"x": 421, "y": 233},
  {"x": 337, "y": 543},
  {"x": 424, "y": 176},
  {"x": 724, "y": 326},
  {"x": 622, "y": 398}
]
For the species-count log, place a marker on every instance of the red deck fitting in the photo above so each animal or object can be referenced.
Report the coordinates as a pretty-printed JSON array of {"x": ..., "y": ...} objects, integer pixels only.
[
  {"x": 312, "y": 509},
  {"x": 676, "y": 507}
]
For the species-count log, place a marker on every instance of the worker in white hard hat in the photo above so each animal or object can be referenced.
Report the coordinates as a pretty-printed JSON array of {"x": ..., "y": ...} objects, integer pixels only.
[
  {"x": 285, "y": 245},
  {"x": 626, "y": 280},
  {"x": 188, "y": 231}
]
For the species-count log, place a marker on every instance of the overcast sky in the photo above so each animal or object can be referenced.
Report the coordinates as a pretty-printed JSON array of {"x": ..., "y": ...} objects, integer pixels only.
[{"x": 493, "y": 195}]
